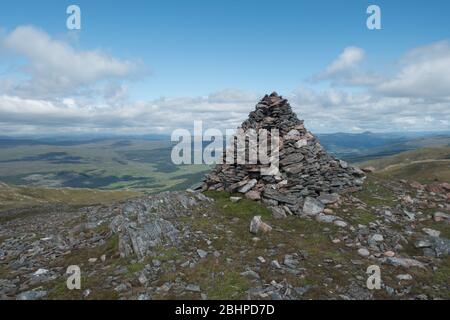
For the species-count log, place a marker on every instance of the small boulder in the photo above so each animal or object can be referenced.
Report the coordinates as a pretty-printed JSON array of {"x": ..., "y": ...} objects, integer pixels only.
[
  {"x": 275, "y": 264},
  {"x": 250, "y": 274},
  {"x": 142, "y": 279},
  {"x": 193, "y": 288},
  {"x": 325, "y": 218},
  {"x": 312, "y": 206},
  {"x": 235, "y": 199},
  {"x": 329, "y": 198},
  {"x": 440, "y": 216},
  {"x": 247, "y": 187},
  {"x": 40, "y": 272},
  {"x": 389, "y": 253},
  {"x": 257, "y": 225},
  {"x": 363, "y": 252},
  {"x": 340, "y": 223},
  {"x": 431, "y": 232},
  {"x": 301, "y": 143},
  {"x": 32, "y": 295},
  {"x": 405, "y": 262},
  {"x": 278, "y": 212},
  {"x": 377, "y": 237},
  {"x": 404, "y": 277},
  {"x": 202, "y": 253},
  {"x": 253, "y": 195},
  {"x": 423, "y": 244}
]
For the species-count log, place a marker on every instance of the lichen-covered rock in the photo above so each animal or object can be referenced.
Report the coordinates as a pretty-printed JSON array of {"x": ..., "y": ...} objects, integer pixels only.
[
  {"x": 141, "y": 238},
  {"x": 144, "y": 225},
  {"x": 312, "y": 206},
  {"x": 257, "y": 225}
]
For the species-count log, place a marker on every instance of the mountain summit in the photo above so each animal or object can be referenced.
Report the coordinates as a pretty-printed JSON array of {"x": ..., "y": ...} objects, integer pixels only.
[{"x": 304, "y": 170}]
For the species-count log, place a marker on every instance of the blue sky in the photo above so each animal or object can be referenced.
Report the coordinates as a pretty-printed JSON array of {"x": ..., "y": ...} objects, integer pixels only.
[{"x": 188, "y": 50}]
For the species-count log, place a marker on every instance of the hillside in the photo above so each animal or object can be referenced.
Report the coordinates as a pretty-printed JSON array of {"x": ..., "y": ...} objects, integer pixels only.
[
  {"x": 194, "y": 246},
  {"x": 26, "y": 197},
  {"x": 425, "y": 165}
]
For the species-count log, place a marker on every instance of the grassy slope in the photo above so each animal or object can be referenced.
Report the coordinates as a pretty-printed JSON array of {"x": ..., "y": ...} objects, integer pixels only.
[
  {"x": 425, "y": 165},
  {"x": 21, "y": 197}
]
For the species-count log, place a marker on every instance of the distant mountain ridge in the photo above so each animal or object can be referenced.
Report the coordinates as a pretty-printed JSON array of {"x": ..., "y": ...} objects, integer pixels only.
[{"x": 367, "y": 146}]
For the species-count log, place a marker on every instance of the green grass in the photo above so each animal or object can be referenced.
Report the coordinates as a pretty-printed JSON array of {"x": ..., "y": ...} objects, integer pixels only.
[
  {"x": 21, "y": 197},
  {"x": 361, "y": 217},
  {"x": 245, "y": 208},
  {"x": 424, "y": 172},
  {"x": 90, "y": 280},
  {"x": 422, "y": 154},
  {"x": 425, "y": 165},
  {"x": 134, "y": 268},
  {"x": 442, "y": 274},
  {"x": 375, "y": 193},
  {"x": 58, "y": 289},
  {"x": 229, "y": 285}
]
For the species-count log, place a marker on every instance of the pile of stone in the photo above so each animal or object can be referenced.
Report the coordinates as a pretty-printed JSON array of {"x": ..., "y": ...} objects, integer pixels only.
[{"x": 305, "y": 171}]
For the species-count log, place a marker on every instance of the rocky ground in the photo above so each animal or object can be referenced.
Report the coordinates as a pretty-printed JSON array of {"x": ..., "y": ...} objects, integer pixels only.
[{"x": 190, "y": 245}]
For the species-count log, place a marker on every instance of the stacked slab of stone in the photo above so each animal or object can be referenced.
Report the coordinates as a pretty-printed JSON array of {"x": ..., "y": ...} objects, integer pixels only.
[{"x": 306, "y": 170}]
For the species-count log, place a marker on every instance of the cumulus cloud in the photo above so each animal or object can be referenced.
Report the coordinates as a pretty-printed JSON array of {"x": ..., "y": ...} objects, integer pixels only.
[
  {"x": 54, "y": 67},
  {"x": 346, "y": 70},
  {"x": 44, "y": 98},
  {"x": 336, "y": 110},
  {"x": 324, "y": 111},
  {"x": 424, "y": 72},
  {"x": 345, "y": 63},
  {"x": 347, "y": 59},
  {"x": 421, "y": 72},
  {"x": 156, "y": 116}
]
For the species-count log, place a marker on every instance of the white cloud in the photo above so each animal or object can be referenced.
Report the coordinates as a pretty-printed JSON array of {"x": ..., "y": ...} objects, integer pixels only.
[
  {"x": 425, "y": 72},
  {"x": 347, "y": 61},
  {"x": 422, "y": 72},
  {"x": 336, "y": 110},
  {"x": 416, "y": 97},
  {"x": 345, "y": 70},
  {"x": 324, "y": 111},
  {"x": 55, "y": 67},
  {"x": 161, "y": 115}
]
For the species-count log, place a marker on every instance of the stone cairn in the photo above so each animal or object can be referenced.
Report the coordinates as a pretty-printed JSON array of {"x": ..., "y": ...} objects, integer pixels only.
[{"x": 306, "y": 171}]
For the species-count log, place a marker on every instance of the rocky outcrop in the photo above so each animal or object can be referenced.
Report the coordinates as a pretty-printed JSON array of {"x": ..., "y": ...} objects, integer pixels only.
[
  {"x": 141, "y": 238},
  {"x": 306, "y": 170},
  {"x": 143, "y": 226}
]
